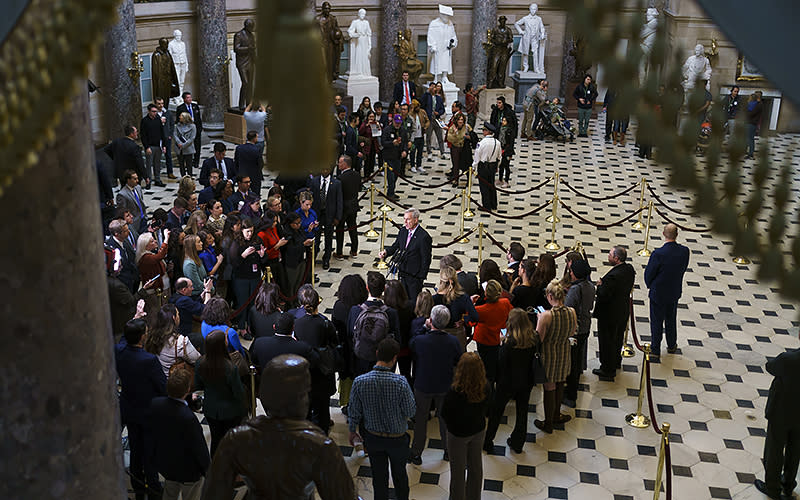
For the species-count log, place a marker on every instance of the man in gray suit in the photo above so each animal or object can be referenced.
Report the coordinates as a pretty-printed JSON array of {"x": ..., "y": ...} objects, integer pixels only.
[{"x": 131, "y": 198}]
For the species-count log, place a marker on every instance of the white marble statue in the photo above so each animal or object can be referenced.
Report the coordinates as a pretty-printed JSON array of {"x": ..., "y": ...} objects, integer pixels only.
[
  {"x": 442, "y": 40},
  {"x": 696, "y": 66},
  {"x": 534, "y": 35},
  {"x": 177, "y": 49},
  {"x": 648, "y": 37},
  {"x": 360, "y": 45}
]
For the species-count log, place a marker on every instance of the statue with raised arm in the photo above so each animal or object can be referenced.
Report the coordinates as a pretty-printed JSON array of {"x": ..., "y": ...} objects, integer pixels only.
[
  {"x": 280, "y": 455},
  {"x": 177, "y": 49},
  {"x": 442, "y": 40},
  {"x": 532, "y": 44},
  {"x": 498, "y": 51},
  {"x": 360, "y": 45},
  {"x": 697, "y": 66},
  {"x": 244, "y": 46},
  {"x": 332, "y": 40}
]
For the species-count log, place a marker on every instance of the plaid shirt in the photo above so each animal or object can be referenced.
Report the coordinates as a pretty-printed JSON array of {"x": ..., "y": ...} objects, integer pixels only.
[{"x": 381, "y": 401}]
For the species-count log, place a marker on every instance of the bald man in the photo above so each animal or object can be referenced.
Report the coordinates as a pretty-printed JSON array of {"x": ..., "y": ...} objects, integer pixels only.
[{"x": 664, "y": 277}]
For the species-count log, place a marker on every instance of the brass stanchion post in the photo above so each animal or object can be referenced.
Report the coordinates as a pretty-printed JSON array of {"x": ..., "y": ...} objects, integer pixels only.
[
  {"x": 253, "y": 390},
  {"x": 661, "y": 458},
  {"x": 627, "y": 349},
  {"x": 269, "y": 275},
  {"x": 645, "y": 252},
  {"x": 385, "y": 207},
  {"x": 468, "y": 213},
  {"x": 554, "y": 216},
  {"x": 553, "y": 246},
  {"x": 638, "y": 225},
  {"x": 480, "y": 244},
  {"x": 372, "y": 233},
  {"x": 463, "y": 239},
  {"x": 638, "y": 419},
  {"x": 381, "y": 264}
]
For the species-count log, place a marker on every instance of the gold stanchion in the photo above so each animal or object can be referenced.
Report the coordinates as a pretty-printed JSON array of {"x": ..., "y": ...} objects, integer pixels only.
[
  {"x": 385, "y": 207},
  {"x": 381, "y": 264},
  {"x": 313, "y": 261},
  {"x": 554, "y": 216},
  {"x": 645, "y": 252},
  {"x": 463, "y": 239},
  {"x": 661, "y": 458},
  {"x": 480, "y": 244},
  {"x": 372, "y": 233},
  {"x": 638, "y": 419},
  {"x": 579, "y": 248},
  {"x": 253, "y": 402},
  {"x": 468, "y": 213},
  {"x": 553, "y": 246},
  {"x": 638, "y": 225},
  {"x": 627, "y": 349},
  {"x": 268, "y": 277}
]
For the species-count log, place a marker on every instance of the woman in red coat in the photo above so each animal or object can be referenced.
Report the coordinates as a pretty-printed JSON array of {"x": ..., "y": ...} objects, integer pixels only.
[
  {"x": 152, "y": 264},
  {"x": 370, "y": 130},
  {"x": 492, "y": 318}
]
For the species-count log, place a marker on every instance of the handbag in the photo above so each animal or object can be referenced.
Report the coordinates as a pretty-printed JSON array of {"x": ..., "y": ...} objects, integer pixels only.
[
  {"x": 181, "y": 363},
  {"x": 331, "y": 357},
  {"x": 537, "y": 375}
]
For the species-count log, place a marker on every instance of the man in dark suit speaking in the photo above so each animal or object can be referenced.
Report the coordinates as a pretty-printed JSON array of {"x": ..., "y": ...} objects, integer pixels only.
[
  {"x": 664, "y": 277},
  {"x": 412, "y": 253},
  {"x": 612, "y": 307},
  {"x": 404, "y": 90},
  {"x": 327, "y": 193}
]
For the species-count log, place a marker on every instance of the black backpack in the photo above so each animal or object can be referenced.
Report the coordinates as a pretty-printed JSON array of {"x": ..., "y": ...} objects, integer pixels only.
[{"x": 371, "y": 326}]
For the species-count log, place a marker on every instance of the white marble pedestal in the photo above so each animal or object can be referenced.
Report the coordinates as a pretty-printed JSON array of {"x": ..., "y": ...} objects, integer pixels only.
[
  {"x": 523, "y": 81},
  {"x": 488, "y": 98},
  {"x": 360, "y": 86},
  {"x": 451, "y": 92}
]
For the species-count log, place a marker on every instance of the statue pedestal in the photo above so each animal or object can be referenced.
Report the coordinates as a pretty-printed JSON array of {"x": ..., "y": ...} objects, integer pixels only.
[
  {"x": 451, "y": 92},
  {"x": 360, "y": 86},
  {"x": 235, "y": 128},
  {"x": 523, "y": 81},
  {"x": 488, "y": 98}
]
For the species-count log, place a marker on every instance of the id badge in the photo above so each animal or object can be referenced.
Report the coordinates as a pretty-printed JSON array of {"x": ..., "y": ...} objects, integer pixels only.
[{"x": 255, "y": 268}]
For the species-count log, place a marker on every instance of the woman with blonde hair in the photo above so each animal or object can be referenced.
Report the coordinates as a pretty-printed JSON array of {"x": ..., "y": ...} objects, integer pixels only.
[
  {"x": 513, "y": 380},
  {"x": 421, "y": 123},
  {"x": 196, "y": 222},
  {"x": 450, "y": 294},
  {"x": 186, "y": 187},
  {"x": 192, "y": 266},
  {"x": 464, "y": 411},
  {"x": 150, "y": 263},
  {"x": 554, "y": 329},
  {"x": 185, "y": 132}
]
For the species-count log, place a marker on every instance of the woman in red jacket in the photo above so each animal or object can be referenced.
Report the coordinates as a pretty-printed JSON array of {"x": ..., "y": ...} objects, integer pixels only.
[
  {"x": 372, "y": 143},
  {"x": 492, "y": 318},
  {"x": 152, "y": 264},
  {"x": 273, "y": 243}
]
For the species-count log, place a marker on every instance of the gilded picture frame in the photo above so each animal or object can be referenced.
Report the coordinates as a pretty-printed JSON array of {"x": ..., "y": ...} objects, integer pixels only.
[{"x": 746, "y": 72}]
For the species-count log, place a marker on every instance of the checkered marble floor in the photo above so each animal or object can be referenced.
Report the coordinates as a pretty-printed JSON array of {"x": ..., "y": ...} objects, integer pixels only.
[{"x": 712, "y": 392}]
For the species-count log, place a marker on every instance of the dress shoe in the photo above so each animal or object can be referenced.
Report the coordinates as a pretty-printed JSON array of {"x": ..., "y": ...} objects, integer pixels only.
[
  {"x": 160, "y": 184},
  {"x": 446, "y": 457},
  {"x": 563, "y": 418},
  {"x": 603, "y": 375},
  {"x": 544, "y": 426},
  {"x": 147, "y": 186},
  {"x": 415, "y": 459},
  {"x": 672, "y": 350},
  {"x": 762, "y": 487},
  {"x": 245, "y": 335},
  {"x": 326, "y": 265},
  {"x": 488, "y": 446},
  {"x": 171, "y": 176},
  {"x": 512, "y": 447},
  {"x": 338, "y": 256},
  {"x": 353, "y": 254}
]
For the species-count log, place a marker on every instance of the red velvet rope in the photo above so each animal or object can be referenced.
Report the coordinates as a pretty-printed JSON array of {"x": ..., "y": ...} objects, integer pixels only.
[
  {"x": 249, "y": 300},
  {"x": 599, "y": 226},
  {"x": 633, "y": 327},
  {"x": 661, "y": 202},
  {"x": 684, "y": 228},
  {"x": 421, "y": 210},
  {"x": 602, "y": 198},
  {"x": 524, "y": 191},
  {"x": 456, "y": 240},
  {"x": 416, "y": 184},
  {"x": 357, "y": 225},
  {"x": 650, "y": 396},
  {"x": 521, "y": 216},
  {"x": 494, "y": 241}
]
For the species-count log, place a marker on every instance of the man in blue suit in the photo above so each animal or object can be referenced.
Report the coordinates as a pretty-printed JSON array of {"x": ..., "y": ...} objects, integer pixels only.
[
  {"x": 664, "y": 277},
  {"x": 181, "y": 452},
  {"x": 247, "y": 162},
  {"x": 142, "y": 379}
]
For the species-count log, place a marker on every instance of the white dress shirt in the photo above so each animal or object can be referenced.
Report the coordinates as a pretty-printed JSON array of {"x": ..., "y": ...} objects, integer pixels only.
[{"x": 489, "y": 150}]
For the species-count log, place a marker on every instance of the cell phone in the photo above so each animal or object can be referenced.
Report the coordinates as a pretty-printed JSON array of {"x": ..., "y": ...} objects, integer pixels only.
[
  {"x": 152, "y": 280},
  {"x": 539, "y": 309}
]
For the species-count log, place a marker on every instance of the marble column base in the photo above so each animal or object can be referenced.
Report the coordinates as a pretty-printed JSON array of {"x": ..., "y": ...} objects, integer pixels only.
[
  {"x": 451, "y": 92},
  {"x": 522, "y": 83},
  {"x": 489, "y": 99},
  {"x": 360, "y": 86},
  {"x": 214, "y": 130}
]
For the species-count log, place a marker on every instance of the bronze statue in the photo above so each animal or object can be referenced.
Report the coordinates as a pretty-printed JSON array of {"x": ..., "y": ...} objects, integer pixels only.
[
  {"x": 332, "y": 40},
  {"x": 498, "y": 49},
  {"x": 281, "y": 455},
  {"x": 407, "y": 55},
  {"x": 244, "y": 46},
  {"x": 165, "y": 78}
]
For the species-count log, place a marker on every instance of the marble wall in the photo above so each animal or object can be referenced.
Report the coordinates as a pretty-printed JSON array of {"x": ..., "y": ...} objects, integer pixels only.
[{"x": 687, "y": 25}]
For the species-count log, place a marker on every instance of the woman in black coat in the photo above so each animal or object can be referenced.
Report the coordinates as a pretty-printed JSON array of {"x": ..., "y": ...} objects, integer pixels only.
[{"x": 315, "y": 330}]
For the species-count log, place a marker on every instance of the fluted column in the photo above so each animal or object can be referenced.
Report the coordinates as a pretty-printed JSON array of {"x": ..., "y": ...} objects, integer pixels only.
[
  {"x": 212, "y": 31},
  {"x": 123, "y": 95},
  {"x": 484, "y": 17},
  {"x": 393, "y": 20},
  {"x": 60, "y": 418}
]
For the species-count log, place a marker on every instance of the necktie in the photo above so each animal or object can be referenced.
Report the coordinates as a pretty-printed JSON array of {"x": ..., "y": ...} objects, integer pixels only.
[
  {"x": 324, "y": 192},
  {"x": 131, "y": 240},
  {"x": 222, "y": 169},
  {"x": 408, "y": 240},
  {"x": 191, "y": 111},
  {"x": 408, "y": 96},
  {"x": 138, "y": 202}
]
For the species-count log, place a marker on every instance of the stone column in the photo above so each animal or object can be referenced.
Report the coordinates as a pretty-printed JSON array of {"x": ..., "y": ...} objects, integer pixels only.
[
  {"x": 123, "y": 94},
  {"x": 60, "y": 418},
  {"x": 212, "y": 32},
  {"x": 393, "y": 20},
  {"x": 484, "y": 17}
]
